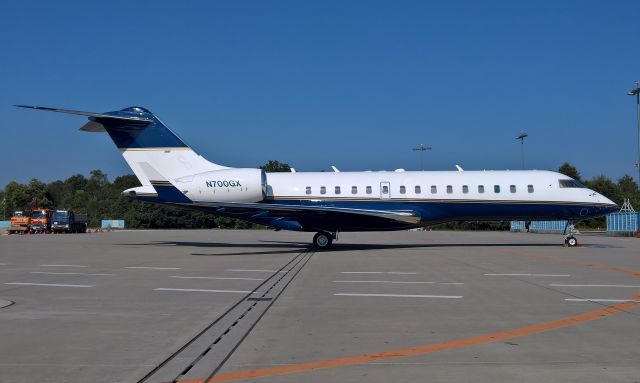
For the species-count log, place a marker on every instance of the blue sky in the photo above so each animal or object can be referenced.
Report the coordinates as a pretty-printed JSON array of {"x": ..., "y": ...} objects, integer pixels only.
[{"x": 354, "y": 84}]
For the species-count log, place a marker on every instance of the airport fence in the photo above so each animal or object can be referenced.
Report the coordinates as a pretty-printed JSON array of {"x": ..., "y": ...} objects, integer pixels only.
[
  {"x": 623, "y": 223},
  {"x": 109, "y": 224},
  {"x": 540, "y": 226}
]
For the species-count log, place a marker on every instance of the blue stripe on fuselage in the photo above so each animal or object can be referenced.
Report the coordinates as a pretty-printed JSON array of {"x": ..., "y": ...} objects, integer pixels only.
[{"x": 440, "y": 211}]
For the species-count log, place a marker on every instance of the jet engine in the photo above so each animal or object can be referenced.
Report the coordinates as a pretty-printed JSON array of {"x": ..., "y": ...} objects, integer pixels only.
[{"x": 227, "y": 185}]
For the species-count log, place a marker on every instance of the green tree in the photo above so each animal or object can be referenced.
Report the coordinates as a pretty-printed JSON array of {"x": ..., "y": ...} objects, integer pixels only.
[
  {"x": 273, "y": 166},
  {"x": 17, "y": 197},
  {"x": 629, "y": 189},
  {"x": 569, "y": 170}
]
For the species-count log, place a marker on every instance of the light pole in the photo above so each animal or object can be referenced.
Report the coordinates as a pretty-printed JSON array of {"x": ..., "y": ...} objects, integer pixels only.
[
  {"x": 521, "y": 137},
  {"x": 636, "y": 92},
  {"x": 421, "y": 148}
]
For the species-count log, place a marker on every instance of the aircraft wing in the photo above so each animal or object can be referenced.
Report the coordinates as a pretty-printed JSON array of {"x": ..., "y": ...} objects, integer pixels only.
[{"x": 275, "y": 214}]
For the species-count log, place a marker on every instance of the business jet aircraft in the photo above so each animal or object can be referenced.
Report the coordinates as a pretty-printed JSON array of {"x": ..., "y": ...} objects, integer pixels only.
[{"x": 327, "y": 203}]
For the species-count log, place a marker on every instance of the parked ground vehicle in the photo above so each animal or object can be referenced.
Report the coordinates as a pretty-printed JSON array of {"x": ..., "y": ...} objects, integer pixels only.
[
  {"x": 68, "y": 221},
  {"x": 20, "y": 222},
  {"x": 41, "y": 221}
]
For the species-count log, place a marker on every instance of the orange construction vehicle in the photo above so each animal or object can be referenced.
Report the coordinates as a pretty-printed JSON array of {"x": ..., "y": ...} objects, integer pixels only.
[{"x": 20, "y": 222}]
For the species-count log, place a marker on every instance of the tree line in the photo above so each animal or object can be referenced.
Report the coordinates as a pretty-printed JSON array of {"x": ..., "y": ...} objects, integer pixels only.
[{"x": 102, "y": 199}]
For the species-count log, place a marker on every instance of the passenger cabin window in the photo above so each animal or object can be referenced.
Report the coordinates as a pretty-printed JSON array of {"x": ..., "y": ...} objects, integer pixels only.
[
  {"x": 369, "y": 190},
  {"x": 403, "y": 189},
  {"x": 512, "y": 188},
  {"x": 480, "y": 189},
  {"x": 308, "y": 190},
  {"x": 571, "y": 184},
  {"x": 465, "y": 189},
  {"x": 337, "y": 190},
  {"x": 434, "y": 189},
  {"x": 417, "y": 190},
  {"x": 530, "y": 188},
  {"x": 385, "y": 189},
  {"x": 323, "y": 190},
  {"x": 354, "y": 190},
  {"x": 496, "y": 188},
  {"x": 449, "y": 189}
]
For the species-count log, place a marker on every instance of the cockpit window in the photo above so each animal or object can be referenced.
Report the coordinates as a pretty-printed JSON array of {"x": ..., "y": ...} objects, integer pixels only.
[{"x": 571, "y": 184}]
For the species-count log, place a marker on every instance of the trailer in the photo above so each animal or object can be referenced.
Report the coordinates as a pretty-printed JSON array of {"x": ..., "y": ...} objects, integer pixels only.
[{"x": 68, "y": 221}]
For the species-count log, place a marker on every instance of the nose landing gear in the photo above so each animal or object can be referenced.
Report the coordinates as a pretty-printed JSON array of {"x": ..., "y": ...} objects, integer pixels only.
[{"x": 569, "y": 239}]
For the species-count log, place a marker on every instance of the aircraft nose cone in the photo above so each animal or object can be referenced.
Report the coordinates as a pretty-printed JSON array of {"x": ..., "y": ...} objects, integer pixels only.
[{"x": 611, "y": 208}]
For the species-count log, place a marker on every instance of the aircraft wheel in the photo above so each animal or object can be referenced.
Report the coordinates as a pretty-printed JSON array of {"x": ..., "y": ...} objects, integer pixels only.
[
  {"x": 571, "y": 242},
  {"x": 322, "y": 240}
]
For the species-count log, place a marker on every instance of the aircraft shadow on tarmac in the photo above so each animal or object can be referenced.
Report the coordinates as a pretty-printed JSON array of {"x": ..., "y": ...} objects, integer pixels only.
[{"x": 284, "y": 247}]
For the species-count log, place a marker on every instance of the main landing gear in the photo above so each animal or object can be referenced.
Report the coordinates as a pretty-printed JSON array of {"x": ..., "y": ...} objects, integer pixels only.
[
  {"x": 323, "y": 240},
  {"x": 569, "y": 239}
]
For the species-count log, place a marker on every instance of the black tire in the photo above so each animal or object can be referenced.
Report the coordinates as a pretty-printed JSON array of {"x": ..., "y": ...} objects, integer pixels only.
[
  {"x": 322, "y": 240},
  {"x": 572, "y": 242}
]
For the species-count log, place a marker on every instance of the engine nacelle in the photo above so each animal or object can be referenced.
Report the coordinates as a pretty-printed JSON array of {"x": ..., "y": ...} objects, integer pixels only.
[{"x": 227, "y": 185}]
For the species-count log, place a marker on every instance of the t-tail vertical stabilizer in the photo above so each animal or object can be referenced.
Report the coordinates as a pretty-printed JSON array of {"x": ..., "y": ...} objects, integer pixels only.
[{"x": 143, "y": 138}]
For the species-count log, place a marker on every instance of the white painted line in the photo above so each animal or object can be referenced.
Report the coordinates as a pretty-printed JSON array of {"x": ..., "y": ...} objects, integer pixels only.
[
  {"x": 53, "y": 273},
  {"x": 400, "y": 295},
  {"x": 203, "y": 290},
  {"x": 253, "y": 270},
  {"x": 221, "y": 278},
  {"x": 623, "y": 286},
  {"x": 602, "y": 300},
  {"x": 379, "y": 272},
  {"x": 404, "y": 282},
  {"x": 153, "y": 268},
  {"x": 532, "y": 275},
  {"x": 45, "y": 284},
  {"x": 63, "y": 266}
]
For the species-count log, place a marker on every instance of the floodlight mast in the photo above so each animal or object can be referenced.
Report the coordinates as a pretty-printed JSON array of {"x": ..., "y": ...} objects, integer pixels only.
[
  {"x": 521, "y": 137},
  {"x": 421, "y": 148},
  {"x": 636, "y": 92}
]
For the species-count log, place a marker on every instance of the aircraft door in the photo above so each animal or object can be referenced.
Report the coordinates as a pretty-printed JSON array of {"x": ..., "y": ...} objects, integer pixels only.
[{"x": 385, "y": 190}]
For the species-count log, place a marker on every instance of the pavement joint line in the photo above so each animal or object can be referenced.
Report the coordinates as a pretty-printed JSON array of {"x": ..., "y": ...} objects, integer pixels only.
[
  {"x": 621, "y": 286},
  {"x": 203, "y": 290},
  {"x": 597, "y": 300},
  {"x": 379, "y": 272},
  {"x": 399, "y": 296},
  {"x": 55, "y": 273},
  {"x": 222, "y": 354},
  {"x": 404, "y": 282},
  {"x": 529, "y": 275},
  {"x": 153, "y": 268},
  {"x": 217, "y": 278},
  {"x": 45, "y": 284},
  {"x": 63, "y": 266}
]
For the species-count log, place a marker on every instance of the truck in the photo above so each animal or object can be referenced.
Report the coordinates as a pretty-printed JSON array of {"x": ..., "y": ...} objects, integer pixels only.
[
  {"x": 41, "y": 221},
  {"x": 20, "y": 222},
  {"x": 68, "y": 221}
]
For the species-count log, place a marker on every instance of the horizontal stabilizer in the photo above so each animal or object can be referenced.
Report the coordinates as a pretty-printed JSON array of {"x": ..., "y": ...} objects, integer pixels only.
[{"x": 94, "y": 126}]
